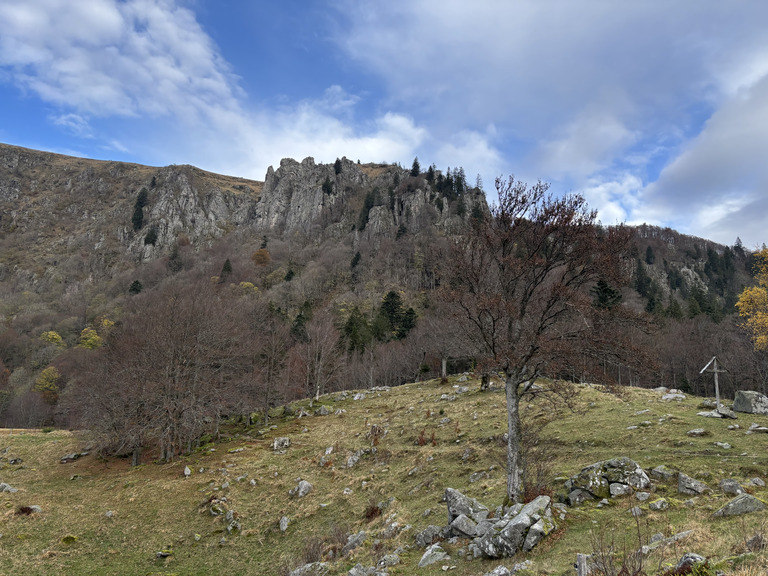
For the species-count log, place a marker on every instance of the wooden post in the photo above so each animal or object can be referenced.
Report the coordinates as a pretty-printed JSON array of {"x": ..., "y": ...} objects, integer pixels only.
[{"x": 716, "y": 371}]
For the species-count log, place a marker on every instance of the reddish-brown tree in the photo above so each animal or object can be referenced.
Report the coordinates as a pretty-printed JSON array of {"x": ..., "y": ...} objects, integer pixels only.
[{"x": 520, "y": 284}]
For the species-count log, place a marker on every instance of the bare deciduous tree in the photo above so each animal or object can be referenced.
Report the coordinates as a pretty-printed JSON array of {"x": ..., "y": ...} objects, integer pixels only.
[{"x": 520, "y": 284}]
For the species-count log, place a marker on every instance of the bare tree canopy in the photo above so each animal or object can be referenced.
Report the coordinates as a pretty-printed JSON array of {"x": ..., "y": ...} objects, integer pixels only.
[{"x": 520, "y": 284}]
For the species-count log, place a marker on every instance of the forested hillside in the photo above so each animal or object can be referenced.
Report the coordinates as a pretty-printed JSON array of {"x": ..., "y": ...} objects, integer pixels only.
[{"x": 150, "y": 303}]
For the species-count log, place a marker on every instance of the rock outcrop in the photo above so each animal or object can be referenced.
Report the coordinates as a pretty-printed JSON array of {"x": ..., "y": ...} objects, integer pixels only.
[{"x": 518, "y": 528}]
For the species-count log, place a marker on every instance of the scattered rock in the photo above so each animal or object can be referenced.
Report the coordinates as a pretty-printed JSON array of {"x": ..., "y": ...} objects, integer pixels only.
[
  {"x": 663, "y": 473},
  {"x": 660, "y": 504},
  {"x": 281, "y": 444},
  {"x": 757, "y": 482},
  {"x": 731, "y": 486},
  {"x": 389, "y": 560},
  {"x": 687, "y": 485},
  {"x": 723, "y": 445},
  {"x": 689, "y": 559},
  {"x": 7, "y": 488},
  {"x": 434, "y": 554},
  {"x": 579, "y": 496},
  {"x": 187, "y": 472},
  {"x": 677, "y": 397},
  {"x": 313, "y": 569},
  {"x": 499, "y": 571},
  {"x": 750, "y": 402},
  {"x": 429, "y": 536},
  {"x": 323, "y": 411},
  {"x": 642, "y": 496},
  {"x": 353, "y": 541},
  {"x": 636, "y": 511},
  {"x": 301, "y": 489},
  {"x": 698, "y": 432},
  {"x": 459, "y": 504},
  {"x": 464, "y": 527},
  {"x": 742, "y": 504},
  {"x": 284, "y": 522},
  {"x": 64, "y": 459}
]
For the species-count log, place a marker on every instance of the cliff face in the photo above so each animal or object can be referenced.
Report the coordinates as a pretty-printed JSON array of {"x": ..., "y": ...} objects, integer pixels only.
[{"x": 59, "y": 214}]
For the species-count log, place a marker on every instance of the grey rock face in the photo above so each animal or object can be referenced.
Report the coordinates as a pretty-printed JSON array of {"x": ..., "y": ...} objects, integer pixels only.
[
  {"x": 742, "y": 504},
  {"x": 434, "y": 554},
  {"x": 750, "y": 402},
  {"x": 464, "y": 527},
  {"x": 690, "y": 486},
  {"x": 459, "y": 504}
]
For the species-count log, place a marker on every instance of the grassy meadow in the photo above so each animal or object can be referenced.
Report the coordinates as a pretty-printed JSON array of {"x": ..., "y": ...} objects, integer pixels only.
[{"x": 100, "y": 516}]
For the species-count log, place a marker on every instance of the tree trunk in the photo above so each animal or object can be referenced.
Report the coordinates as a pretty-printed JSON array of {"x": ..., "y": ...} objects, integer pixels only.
[
  {"x": 444, "y": 367},
  {"x": 136, "y": 457},
  {"x": 514, "y": 446}
]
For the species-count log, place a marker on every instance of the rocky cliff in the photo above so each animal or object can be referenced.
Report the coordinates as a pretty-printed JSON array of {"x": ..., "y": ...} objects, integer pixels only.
[{"x": 60, "y": 215}]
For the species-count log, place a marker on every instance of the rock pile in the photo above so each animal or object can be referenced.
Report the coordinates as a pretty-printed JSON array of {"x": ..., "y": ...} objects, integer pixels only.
[{"x": 503, "y": 534}]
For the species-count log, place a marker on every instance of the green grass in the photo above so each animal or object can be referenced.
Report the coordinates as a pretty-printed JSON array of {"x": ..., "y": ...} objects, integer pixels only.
[{"x": 154, "y": 508}]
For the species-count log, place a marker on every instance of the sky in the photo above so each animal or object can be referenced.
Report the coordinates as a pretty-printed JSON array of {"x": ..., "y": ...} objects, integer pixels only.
[{"x": 655, "y": 111}]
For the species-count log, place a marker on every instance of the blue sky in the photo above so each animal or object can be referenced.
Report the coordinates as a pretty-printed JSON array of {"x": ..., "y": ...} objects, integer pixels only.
[{"x": 655, "y": 111}]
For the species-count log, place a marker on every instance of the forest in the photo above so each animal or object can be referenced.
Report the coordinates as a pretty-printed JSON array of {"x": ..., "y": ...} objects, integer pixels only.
[{"x": 154, "y": 354}]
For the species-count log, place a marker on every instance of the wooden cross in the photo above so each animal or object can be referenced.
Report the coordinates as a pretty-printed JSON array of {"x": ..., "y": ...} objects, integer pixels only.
[{"x": 716, "y": 371}]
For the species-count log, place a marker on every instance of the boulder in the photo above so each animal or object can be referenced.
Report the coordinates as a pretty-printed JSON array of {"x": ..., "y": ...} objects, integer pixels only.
[
  {"x": 284, "y": 522},
  {"x": 663, "y": 473},
  {"x": 698, "y": 432},
  {"x": 731, "y": 486},
  {"x": 428, "y": 536},
  {"x": 742, "y": 504},
  {"x": 579, "y": 496},
  {"x": 687, "y": 485},
  {"x": 689, "y": 559},
  {"x": 597, "y": 478},
  {"x": 301, "y": 489},
  {"x": 660, "y": 504},
  {"x": 464, "y": 527},
  {"x": 459, "y": 504},
  {"x": 433, "y": 554},
  {"x": 750, "y": 402},
  {"x": 7, "y": 488},
  {"x": 281, "y": 444},
  {"x": 513, "y": 534},
  {"x": 536, "y": 532}
]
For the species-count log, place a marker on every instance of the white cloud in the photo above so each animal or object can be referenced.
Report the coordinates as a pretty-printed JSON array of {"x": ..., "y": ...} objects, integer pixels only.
[
  {"x": 105, "y": 58},
  {"x": 75, "y": 123}
]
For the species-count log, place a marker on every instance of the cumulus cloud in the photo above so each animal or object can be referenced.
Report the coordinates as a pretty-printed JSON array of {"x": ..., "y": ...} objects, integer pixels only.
[{"x": 104, "y": 57}]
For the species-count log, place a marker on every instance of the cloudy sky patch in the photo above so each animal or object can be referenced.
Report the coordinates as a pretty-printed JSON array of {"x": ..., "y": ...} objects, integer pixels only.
[{"x": 657, "y": 112}]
